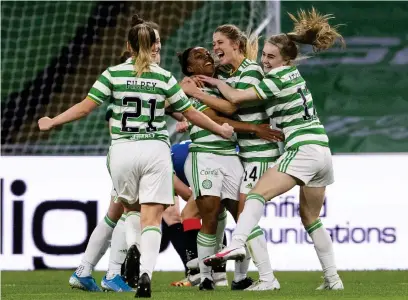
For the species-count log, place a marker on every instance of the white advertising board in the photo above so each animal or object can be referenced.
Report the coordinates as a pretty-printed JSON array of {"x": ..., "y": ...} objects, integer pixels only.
[{"x": 50, "y": 204}]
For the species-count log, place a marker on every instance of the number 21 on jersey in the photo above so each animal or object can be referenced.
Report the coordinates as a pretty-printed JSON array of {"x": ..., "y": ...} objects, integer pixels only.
[{"x": 137, "y": 113}]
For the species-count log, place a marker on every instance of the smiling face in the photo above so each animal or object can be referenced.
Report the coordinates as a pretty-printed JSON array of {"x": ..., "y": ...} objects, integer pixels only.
[
  {"x": 200, "y": 62},
  {"x": 271, "y": 57},
  {"x": 156, "y": 48},
  {"x": 224, "y": 48}
]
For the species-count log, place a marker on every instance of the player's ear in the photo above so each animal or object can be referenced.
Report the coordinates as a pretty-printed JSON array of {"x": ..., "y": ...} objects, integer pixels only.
[
  {"x": 190, "y": 69},
  {"x": 128, "y": 47}
]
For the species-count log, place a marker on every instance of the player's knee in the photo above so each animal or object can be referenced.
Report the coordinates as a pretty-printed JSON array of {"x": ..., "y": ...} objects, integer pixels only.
[
  {"x": 209, "y": 225},
  {"x": 151, "y": 214},
  {"x": 307, "y": 217},
  {"x": 171, "y": 216},
  {"x": 189, "y": 213},
  {"x": 115, "y": 211}
]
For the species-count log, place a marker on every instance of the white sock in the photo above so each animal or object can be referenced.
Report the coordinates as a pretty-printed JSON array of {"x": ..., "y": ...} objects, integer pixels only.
[
  {"x": 206, "y": 244},
  {"x": 248, "y": 220},
  {"x": 133, "y": 229},
  {"x": 241, "y": 267},
  {"x": 96, "y": 248},
  {"x": 118, "y": 249},
  {"x": 149, "y": 249},
  {"x": 324, "y": 249},
  {"x": 219, "y": 235},
  {"x": 256, "y": 244}
]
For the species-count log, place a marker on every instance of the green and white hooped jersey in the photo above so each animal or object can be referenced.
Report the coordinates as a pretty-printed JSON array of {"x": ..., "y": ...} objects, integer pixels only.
[
  {"x": 204, "y": 140},
  {"x": 252, "y": 148},
  {"x": 138, "y": 102},
  {"x": 290, "y": 104}
]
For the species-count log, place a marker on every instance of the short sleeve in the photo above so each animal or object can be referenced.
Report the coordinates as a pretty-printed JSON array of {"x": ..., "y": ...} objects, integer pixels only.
[
  {"x": 101, "y": 90},
  {"x": 269, "y": 87},
  {"x": 251, "y": 76},
  {"x": 176, "y": 97}
]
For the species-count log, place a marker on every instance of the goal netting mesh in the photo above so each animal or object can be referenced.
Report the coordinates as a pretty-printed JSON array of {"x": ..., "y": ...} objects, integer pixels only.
[{"x": 52, "y": 52}]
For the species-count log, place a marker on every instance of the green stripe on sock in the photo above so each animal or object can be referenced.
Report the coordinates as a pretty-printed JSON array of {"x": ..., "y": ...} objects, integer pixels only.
[
  {"x": 258, "y": 197},
  {"x": 151, "y": 228},
  {"x": 257, "y": 231},
  {"x": 206, "y": 240},
  {"x": 130, "y": 213},
  {"x": 206, "y": 236},
  {"x": 109, "y": 222},
  {"x": 315, "y": 225}
]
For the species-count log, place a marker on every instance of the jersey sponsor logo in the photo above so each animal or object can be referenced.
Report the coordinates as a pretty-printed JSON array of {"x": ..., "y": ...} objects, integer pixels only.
[
  {"x": 209, "y": 171},
  {"x": 207, "y": 184}
]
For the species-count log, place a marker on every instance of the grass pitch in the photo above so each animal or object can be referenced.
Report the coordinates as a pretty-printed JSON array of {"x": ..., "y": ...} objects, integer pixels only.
[{"x": 32, "y": 285}]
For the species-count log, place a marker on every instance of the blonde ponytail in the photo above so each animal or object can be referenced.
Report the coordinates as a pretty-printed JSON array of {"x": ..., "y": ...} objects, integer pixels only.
[
  {"x": 141, "y": 39},
  {"x": 314, "y": 29}
]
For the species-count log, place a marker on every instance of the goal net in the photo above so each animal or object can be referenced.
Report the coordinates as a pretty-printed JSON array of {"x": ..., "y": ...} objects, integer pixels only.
[{"x": 53, "y": 51}]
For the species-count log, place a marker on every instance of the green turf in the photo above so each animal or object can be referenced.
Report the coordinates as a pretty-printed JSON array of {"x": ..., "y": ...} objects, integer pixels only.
[{"x": 294, "y": 285}]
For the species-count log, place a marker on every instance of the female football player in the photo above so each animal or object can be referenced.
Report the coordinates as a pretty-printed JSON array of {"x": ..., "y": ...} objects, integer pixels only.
[
  {"x": 235, "y": 51},
  {"x": 139, "y": 159},
  {"x": 307, "y": 160}
]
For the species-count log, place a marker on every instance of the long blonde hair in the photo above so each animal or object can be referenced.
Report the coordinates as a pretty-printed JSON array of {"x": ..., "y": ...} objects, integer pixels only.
[
  {"x": 310, "y": 28},
  {"x": 248, "y": 43},
  {"x": 141, "y": 38}
]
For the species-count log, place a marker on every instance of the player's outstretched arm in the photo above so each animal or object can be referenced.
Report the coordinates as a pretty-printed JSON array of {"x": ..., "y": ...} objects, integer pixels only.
[
  {"x": 231, "y": 94},
  {"x": 213, "y": 102},
  {"x": 181, "y": 189},
  {"x": 201, "y": 120},
  {"x": 78, "y": 111},
  {"x": 262, "y": 131}
]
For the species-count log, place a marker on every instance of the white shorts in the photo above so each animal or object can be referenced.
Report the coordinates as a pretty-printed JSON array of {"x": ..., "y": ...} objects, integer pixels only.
[
  {"x": 213, "y": 175},
  {"x": 252, "y": 173},
  {"x": 312, "y": 164},
  {"x": 142, "y": 171}
]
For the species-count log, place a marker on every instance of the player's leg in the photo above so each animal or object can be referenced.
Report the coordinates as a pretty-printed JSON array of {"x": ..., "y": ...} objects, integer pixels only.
[
  {"x": 113, "y": 281},
  {"x": 124, "y": 165},
  {"x": 155, "y": 193},
  {"x": 256, "y": 243},
  {"x": 96, "y": 248},
  {"x": 204, "y": 176},
  {"x": 133, "y": 230},
  {"x": 273, "y": 182},
  {"x": 219, "y": 272},
  {"x": 172, "y": 226},
  {"x": 191, "y": 224},
  {"x": 311, "y": 202},
  {"x": 234, "y": 174}
]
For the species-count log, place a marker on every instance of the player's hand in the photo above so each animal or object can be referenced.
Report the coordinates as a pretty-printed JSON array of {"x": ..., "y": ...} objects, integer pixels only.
[
  {"x": 226, "y": 131},
  {"x": 197, "y": 81},
  {"x": 210, "y": 80},
  {"x": 45, "y": 123},
  {"x": 264, "y": 131},
  {"x": 188, "y": 86},
  {"x": 181, "y": 126}
]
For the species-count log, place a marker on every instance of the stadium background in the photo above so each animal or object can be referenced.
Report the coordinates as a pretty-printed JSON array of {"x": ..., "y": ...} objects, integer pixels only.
[{"x": 54, "y": 186}]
